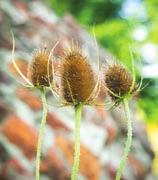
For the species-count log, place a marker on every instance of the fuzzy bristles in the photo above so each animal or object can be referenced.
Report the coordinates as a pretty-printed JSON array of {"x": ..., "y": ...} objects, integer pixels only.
[
  {"x": 38, "y": 69},
  {"x": 118, "y": 80},
  {"x": 77, "y": 77}
]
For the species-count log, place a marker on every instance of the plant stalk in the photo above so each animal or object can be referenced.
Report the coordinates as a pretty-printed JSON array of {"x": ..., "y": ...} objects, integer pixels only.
[
  {"x": 41, "y": 133},
  {"x": 78, "y": 111},
  {"x": 128, "y": 141}
]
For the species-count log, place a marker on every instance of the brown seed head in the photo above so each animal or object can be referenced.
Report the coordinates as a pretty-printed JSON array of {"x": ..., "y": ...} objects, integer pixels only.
[
  {"x": 118, "y": 80},
  {"x": 38, "y": 69},
  {"x": 77, "y": 77}
]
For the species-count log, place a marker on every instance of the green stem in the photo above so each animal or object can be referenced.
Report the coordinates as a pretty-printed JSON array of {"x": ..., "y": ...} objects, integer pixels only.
[
  {"x": 41, "y": 134},
  {"x": 128, "y": 141},
  {"x": 78, "y": 111}
]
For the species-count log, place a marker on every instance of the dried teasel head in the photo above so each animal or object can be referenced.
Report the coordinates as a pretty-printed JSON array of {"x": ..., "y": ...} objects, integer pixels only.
[
  {"x": 40, "y": 68},
  {"x": 119, "y": 82},
  {"x": 77, "y": 78}
]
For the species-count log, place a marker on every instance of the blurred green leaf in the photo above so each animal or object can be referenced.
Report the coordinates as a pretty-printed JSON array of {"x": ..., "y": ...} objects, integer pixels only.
[
  {"x": 88, "y": 12},
  {"x": 115, "y": 35}
]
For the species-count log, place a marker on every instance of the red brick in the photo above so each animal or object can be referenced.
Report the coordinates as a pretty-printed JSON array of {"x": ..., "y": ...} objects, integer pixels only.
[
  {"x": 29, "y": 98},
  {"x": 111, "y": 170},
  {"x": 102, "y": 113},
  {"x": 21, "y": 6},
  {"x": 137, "y": 166},
  {"x": 22, "y": 65},
  {"x": 53, "y": 166},
  {"x": 20, "y": 134},
  {"x": 108, "y": 124},
  {"x": 16, "y": 165},
  {"x": 54, "y": 121},
  {"x": 11, "y": 165},
  {"x": 5, "y": 109},
  {"x": 112, "y": 133},
  {"x": 89, "y": 164},
  {"x": 3, "y": 153}
]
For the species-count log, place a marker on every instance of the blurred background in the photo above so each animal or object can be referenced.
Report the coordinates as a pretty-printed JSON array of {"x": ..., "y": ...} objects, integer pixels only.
[{"x": 118, "y": 25}]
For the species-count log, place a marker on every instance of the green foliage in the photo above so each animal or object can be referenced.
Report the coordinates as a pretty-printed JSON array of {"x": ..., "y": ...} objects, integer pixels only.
[
  {"x": 149, "y": 111},
  {"x": 64, "y": 6},
  {"x": 153, "y": 34},
  {"x": 152, "y": 8},
  {"x": 88, "y": 12},
  {"x": 115, "y": 35},
  {"x": 149, "y": 102}
]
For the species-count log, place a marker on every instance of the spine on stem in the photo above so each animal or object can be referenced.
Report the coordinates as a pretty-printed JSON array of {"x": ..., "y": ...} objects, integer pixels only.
[
  {"x": 128, "y": 141},
  {"x": 78, "y": 111},
  {"x": 41, "y": 134}
]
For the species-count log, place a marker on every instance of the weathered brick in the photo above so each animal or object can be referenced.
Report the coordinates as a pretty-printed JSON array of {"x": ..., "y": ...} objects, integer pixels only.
[
  {"x": 22, "y": 65},
  {"x": 89, "y": 163},
  {"x": 3, "y": 154},
  {"x": 20, "y": 134},
  {"x": 5, "y": 109},
  {"x": 138, "y": 167},
  {"x": 29, "y": 98},
  {"x": 12, "y": 167},
  {"x": 53, "y": 166},
  {"x": 108, "y": 124},
  {"x": 54, "y": 121}
]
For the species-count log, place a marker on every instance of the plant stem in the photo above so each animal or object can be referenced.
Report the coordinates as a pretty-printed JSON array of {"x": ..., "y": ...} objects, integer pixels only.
[
  {"x": 41, "y": 133},
  {"x": 78, "y": 111},
  {"x": 128, "y": 141}
]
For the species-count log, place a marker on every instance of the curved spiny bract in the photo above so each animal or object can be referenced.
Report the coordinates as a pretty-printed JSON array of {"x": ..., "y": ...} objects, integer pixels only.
[
  {"x": 77, "y": 78},
  {"x": 118, "y": 81},
  {"x": 39, "y": 69}
]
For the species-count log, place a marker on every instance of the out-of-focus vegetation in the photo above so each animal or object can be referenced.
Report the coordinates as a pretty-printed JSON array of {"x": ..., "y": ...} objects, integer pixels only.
[
  {"x": 149, "y": 103},
  {"x": 115, "y": 30},
  {"x": 115, "y": 33},
  {"x": 88, "y": 12}
]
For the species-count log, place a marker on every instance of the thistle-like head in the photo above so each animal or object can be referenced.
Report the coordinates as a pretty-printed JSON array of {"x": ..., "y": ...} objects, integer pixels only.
[
  {"x": 119, "y": 82},
  {"x": 40, "y": 68},
  {"x": 77, "y": 77}
]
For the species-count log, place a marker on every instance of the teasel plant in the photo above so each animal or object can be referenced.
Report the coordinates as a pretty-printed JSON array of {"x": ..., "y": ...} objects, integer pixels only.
[
  {"x": 78, "y": 87},
  {"x": 40, "y": 76},
  {"x": 121, "y": 86}
]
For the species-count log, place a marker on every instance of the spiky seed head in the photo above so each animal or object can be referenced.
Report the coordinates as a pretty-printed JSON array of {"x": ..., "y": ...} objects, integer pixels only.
[
  {"x": 77, "y": 77},
  {"x": 39, "y": 68},
  {"x": 118, "y": 80}
]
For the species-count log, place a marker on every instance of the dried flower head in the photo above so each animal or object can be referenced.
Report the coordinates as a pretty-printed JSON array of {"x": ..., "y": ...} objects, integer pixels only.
[
  {"x": 119, "y": 82},
  {"x": 77, "y": 78},
  {"x": 40, "y": 68}
]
